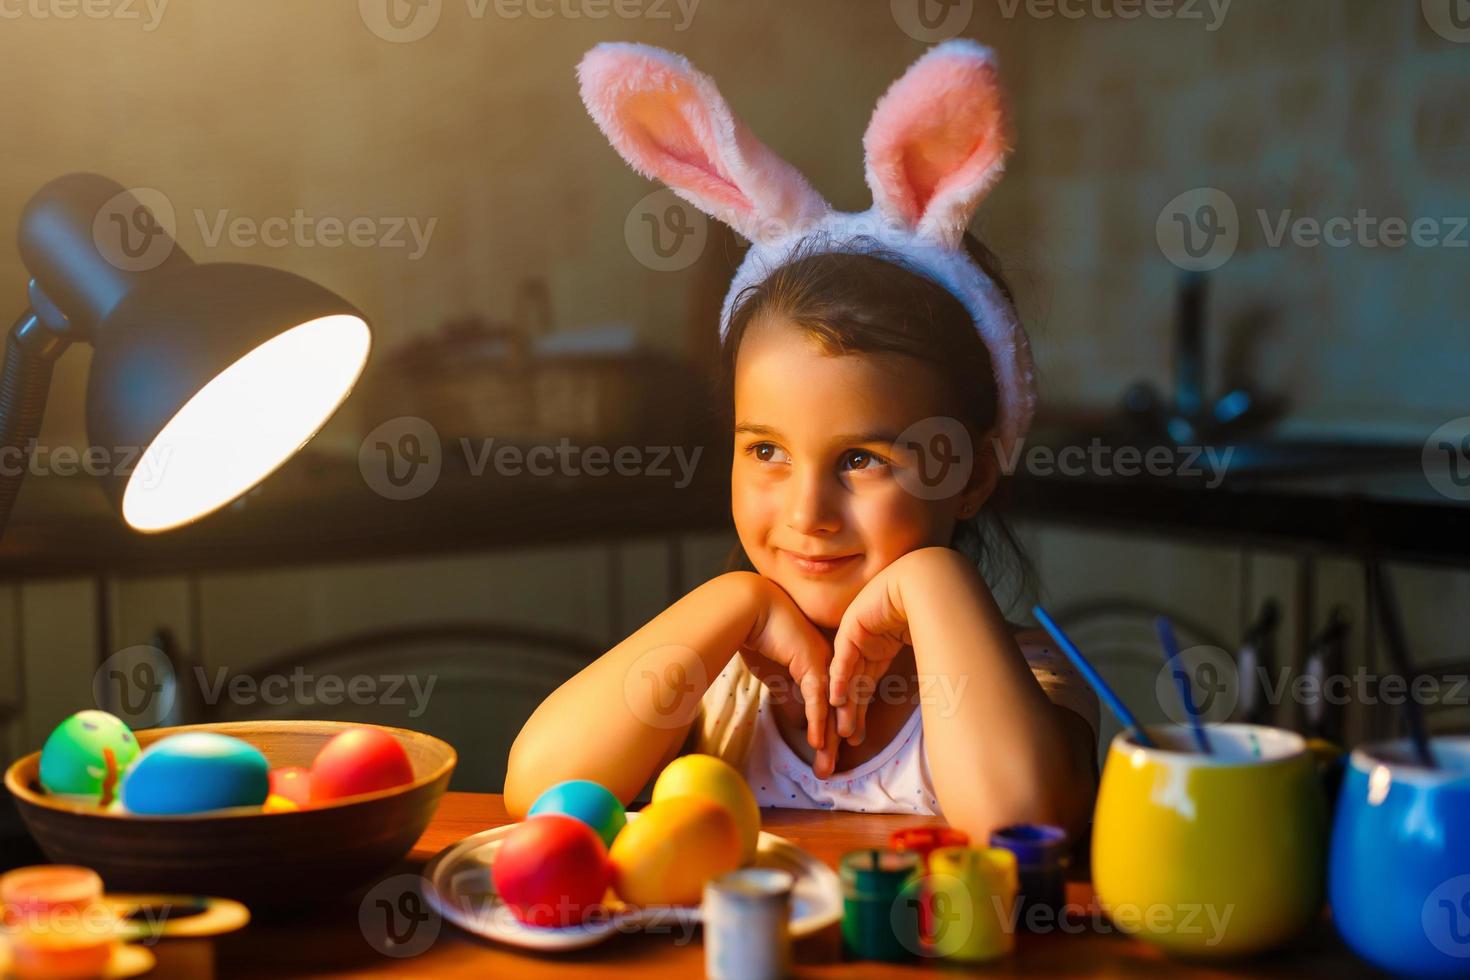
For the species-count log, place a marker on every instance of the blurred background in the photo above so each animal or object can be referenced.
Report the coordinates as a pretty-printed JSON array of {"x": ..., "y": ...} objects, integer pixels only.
[{"x": 1236, "y": 231}]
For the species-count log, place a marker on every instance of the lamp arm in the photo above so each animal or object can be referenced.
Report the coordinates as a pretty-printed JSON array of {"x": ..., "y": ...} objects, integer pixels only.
[{"x": 31, "y": 351}]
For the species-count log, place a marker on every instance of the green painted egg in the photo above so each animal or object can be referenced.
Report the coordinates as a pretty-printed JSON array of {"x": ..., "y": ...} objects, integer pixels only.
[{"x": 72, "y": 760}]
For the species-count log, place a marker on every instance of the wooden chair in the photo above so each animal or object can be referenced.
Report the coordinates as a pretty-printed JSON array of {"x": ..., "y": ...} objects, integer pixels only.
[{"x": 477, "y": 683}]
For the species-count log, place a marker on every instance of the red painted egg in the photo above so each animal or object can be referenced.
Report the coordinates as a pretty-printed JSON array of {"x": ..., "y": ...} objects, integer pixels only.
[
  {"x": 359, "y": 760},
  {"x": 293, "y": 783},
  {"x": 551, "y": 870}
]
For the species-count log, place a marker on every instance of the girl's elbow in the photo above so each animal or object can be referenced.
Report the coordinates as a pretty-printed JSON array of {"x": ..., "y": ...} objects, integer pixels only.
[
  {"x": 1064, "y": 804},
  {"x": 523, "y": 781}
]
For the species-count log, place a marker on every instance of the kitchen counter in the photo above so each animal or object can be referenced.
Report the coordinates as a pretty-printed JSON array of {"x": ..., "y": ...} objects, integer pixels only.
[{"x": 320, "y": 508}]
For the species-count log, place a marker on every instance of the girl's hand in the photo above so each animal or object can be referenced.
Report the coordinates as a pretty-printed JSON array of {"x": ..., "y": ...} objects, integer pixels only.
[
  {"x": 785, "y": 649},
  {"x": 873, "y": 630}
]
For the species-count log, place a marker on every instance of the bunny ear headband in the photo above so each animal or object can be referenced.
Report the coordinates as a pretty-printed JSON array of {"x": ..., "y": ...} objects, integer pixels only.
[{"x": 935, "y": 146}]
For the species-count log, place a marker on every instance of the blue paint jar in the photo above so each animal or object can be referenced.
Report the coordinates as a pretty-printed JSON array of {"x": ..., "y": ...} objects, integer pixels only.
[{"x": 1043, "y": 853}]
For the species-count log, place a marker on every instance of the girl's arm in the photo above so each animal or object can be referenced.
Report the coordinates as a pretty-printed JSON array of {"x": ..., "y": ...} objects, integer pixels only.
[
  {"x": 999, "y": 751},
  {"x": 626, "y": 714}
]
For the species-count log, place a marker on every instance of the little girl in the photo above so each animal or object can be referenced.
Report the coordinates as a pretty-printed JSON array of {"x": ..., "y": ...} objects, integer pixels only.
[{"x": 877, "y": 375}]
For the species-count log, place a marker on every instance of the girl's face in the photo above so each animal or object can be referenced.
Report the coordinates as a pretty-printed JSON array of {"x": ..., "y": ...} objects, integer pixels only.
[{"x": 818, "y": 483}]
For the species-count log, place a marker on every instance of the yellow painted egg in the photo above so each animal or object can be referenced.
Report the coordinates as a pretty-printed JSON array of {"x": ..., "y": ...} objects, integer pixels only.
[
  {"x": 714, "y": 779},
  {"x": 665, "y": 856}
]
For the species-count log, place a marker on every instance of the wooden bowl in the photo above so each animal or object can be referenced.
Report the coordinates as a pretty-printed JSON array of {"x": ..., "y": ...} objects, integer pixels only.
[{"x": 242, "y": 853}]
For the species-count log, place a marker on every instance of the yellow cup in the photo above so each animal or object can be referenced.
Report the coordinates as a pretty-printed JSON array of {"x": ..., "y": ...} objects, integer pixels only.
[{"x": 1211, "y": 855}]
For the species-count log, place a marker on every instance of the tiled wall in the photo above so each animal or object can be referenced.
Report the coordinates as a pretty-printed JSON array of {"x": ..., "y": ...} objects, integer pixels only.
[
  {"x": 263, "y": 108},
  {"x": 236, "y": 621},
  {"x": 1323, "y": 107},
  {"x": 1222, "y": 589},
  {"x": 1319, "y": 108}
]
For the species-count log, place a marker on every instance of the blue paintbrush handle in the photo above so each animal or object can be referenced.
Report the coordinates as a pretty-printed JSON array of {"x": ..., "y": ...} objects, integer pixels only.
[
  {"x": 1111, "y": 699},
  {"x": 1181, "y": 676}
]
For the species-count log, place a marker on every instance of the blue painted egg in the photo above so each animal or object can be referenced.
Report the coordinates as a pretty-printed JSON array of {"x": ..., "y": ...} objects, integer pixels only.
[
  {"x": 592, "y": 803},
  {"x": 196, "y": 771}
]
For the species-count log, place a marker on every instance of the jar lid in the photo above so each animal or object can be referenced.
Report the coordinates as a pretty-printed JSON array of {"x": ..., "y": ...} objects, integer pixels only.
[
  {"x": 993, "y": 868},
  {"x": 753, "y": 884},
  {"x": 41, "y": 887},
  {"x": 878, "y": 872},
  {"x": 926, "y": 839},
  {"x": 1032, "y": 843}
]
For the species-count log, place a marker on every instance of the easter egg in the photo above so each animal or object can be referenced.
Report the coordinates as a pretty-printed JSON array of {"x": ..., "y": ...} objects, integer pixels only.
[
  {"x": 592, "y": 803},
  {"x": 359, "y": 760},
  {"x": 714, "y": 779},
  {"x": 196, "y": 771},
  {"x": 292, "y": 783},
  {"x": 551, "y": 870},
  {"x": 665, "y": 856},
  {"x": 279, "y": 804},
  {"x": 74, "y": 758}
]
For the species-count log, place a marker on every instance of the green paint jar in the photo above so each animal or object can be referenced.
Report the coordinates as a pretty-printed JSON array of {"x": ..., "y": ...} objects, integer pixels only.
[{"x": 880, "y": 904}]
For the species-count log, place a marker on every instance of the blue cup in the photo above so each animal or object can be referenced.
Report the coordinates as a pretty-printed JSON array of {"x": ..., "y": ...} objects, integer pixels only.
[{"x": 1399, "y": 872}]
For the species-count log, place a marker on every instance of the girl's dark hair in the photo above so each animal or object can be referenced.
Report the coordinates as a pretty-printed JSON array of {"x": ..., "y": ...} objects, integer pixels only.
[{"x": 875, "y": 302}]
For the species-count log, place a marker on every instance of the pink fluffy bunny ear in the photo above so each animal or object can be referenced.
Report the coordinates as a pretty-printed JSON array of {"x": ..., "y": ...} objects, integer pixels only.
[
  {"x": 937, "y": 141},
  {"x": 670, "y": 123}
]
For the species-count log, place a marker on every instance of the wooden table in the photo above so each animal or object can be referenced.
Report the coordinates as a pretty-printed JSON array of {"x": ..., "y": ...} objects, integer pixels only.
[{"x": 344, "y": 938}]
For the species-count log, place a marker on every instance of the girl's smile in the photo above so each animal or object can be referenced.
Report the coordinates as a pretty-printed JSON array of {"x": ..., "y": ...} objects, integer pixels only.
[{"x": 818, "y": 564}]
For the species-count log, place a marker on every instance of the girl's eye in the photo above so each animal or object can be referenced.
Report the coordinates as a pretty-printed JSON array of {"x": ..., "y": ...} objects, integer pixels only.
[
  {"x": 862, "y": 459},
  {"x": 766, "y": 452}
]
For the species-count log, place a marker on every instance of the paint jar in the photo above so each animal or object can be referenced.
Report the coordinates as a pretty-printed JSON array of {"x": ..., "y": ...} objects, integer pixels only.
[
  {"x": 974, "y": 896},
  {"x": 923, "y": 841},
  {"x": 747, "y": 919},
  {"x": 1042, "y": 856},
  {"x": 880, "y": 904},
  {"x": 58, "y": 925}
]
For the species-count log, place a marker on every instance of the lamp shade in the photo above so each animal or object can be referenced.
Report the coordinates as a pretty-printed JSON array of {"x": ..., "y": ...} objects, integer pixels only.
[
  {"x": 209, "y": 378},
  {"x": 204, "y": 378}
]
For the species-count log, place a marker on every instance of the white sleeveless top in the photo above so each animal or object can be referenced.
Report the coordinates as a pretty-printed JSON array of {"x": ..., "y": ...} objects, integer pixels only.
[{"x": 737, "y": 724}]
